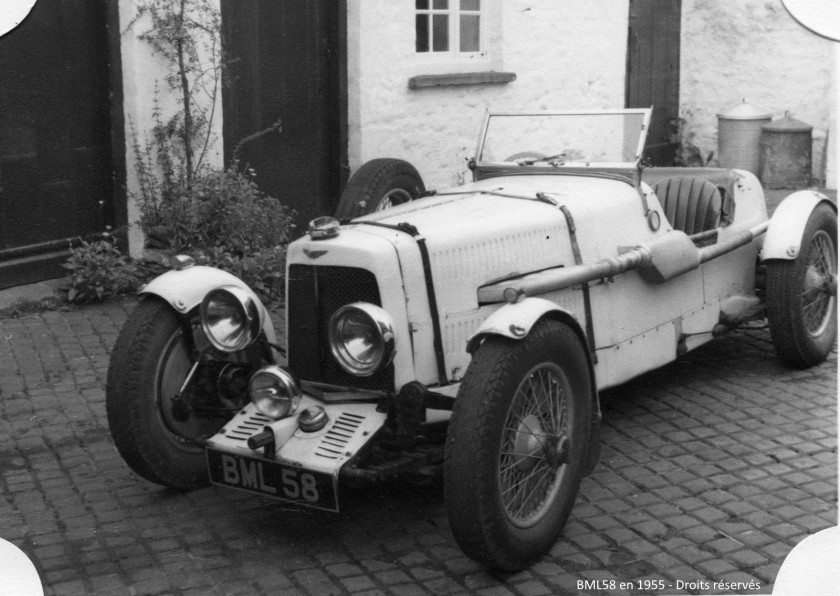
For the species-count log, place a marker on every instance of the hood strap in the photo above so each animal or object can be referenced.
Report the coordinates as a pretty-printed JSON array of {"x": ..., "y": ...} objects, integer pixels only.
[
  {"x": 587, "y": 305},
  {"x": 412, "y": 231}
]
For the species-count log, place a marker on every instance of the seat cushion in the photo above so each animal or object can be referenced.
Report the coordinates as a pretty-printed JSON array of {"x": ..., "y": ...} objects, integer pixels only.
[{"x": 692, "y": 205}]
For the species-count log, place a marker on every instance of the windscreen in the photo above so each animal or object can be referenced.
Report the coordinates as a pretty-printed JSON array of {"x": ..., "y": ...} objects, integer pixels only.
[{"x": 558, "y": 139}]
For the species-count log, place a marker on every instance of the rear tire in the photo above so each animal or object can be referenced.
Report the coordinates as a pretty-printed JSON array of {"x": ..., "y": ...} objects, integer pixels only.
[
  {"x": 516, "y": 445},
  {"x": 379, "y": 184},
  {"x": 150, "y": 362},
  {"x": 802, "y": 294}
]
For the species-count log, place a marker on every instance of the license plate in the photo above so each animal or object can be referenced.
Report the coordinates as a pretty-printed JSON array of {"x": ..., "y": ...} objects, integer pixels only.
[{"x": 272, "y": 479}]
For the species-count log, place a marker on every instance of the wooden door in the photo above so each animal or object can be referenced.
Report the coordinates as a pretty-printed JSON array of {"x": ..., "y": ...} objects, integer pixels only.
[
  {"x": 286, "y": 61},
  {"x": 653, "y": 72},
  {"x": 56, "y": 180}
]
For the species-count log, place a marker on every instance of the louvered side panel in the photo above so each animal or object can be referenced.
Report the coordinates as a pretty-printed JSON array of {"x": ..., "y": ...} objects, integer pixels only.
[{"x": 335, "y": 441}]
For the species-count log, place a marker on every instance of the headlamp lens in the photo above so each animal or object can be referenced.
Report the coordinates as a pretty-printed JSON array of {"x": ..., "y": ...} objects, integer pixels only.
[
  {"x": 362, "y": 338},
  {"x": 230, "y": 318},
  {"x": 274, "y": 392}
]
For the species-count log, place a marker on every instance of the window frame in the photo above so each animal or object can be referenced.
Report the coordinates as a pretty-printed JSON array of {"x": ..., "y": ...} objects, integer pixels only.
[{"x": 454, "y": 54}]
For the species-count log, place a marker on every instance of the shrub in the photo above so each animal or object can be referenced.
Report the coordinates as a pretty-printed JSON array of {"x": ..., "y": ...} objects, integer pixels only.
[
  {"x": 98, "y": 271},
  {"x": 224, "y": 220},
  {"x": 221, "y": 209},
  {"x": 218, "y": 216},
  {"x": 264, "y": 270}
]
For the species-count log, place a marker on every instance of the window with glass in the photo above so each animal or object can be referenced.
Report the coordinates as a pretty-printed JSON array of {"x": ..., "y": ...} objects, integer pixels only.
[{"x": 448, "y": 26}]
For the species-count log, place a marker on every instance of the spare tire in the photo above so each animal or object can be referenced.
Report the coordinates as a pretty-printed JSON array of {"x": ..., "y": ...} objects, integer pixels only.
[{"x": 379, "y": 184}]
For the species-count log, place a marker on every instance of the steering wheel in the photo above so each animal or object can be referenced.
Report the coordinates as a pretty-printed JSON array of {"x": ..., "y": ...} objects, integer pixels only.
[{"x": 526, "y": 155}]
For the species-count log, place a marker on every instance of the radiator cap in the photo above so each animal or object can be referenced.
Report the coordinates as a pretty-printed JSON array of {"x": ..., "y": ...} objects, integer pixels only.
[{"x": 324, "y": 227}]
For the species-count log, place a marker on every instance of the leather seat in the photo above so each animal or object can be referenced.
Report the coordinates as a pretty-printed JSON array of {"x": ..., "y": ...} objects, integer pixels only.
[{"x": 692, "y": 205}]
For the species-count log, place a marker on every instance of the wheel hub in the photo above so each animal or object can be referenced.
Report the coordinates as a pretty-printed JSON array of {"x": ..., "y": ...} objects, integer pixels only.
[
  {"x": 180, "y": 409},
  {"x": 529, "y": 442},
  {"x": 560, "y": 453},
  {"x": 532, "y": 444},
  {"x": 816, "y": 282}
]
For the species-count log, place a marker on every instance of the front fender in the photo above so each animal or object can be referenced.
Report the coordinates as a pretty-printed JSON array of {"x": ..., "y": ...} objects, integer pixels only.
[
  {"x": 515, "y": 321},
  {"x": 784, "y": 234},
  {"x": 185, "y": 289}
]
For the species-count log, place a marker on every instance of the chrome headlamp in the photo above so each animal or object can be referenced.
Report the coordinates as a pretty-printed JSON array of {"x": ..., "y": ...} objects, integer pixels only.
[
  {"x": 362, "y": 338},
  {"x": 230, "y": 318},
  {"x": 274, "y": 392}
]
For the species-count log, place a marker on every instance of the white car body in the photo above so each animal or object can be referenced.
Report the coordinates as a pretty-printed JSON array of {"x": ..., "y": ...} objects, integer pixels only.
[
  {"x": 563, "y": 269},
  {"x": 485, "y": 235}
]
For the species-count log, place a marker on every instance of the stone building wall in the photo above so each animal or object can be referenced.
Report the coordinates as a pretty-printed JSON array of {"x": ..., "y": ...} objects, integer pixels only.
[
  {"x": 565, "y": 55},
  {"x": 754, "y": 50}
]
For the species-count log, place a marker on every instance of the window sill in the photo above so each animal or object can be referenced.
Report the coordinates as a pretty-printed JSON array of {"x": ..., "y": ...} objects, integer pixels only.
[{"x": 465, "y": 78}]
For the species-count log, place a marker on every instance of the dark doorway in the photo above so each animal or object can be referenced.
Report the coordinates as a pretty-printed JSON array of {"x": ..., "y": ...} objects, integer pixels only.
[
  {"x": 56, "y": 179},
  {"x": 653, "y": 72},
  {"x": 286, "y": 63}
]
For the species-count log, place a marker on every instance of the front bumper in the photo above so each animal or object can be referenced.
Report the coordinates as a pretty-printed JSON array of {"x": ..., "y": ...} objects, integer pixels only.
[{"x": 299, "y": 467}]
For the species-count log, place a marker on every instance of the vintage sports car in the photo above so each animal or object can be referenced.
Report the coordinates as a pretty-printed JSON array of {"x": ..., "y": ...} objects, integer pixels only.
[{"x": 466, "y": 333}]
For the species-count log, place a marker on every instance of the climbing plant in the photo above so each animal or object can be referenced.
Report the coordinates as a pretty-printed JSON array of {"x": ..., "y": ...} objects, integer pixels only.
[{"x": 187, "y": 33}]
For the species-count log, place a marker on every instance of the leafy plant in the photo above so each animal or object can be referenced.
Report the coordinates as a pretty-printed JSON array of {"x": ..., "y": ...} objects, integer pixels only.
[
  {"x": 187, "y": 33},
  {"x": 263, "y": 271},
  {"x": 224, "y": 209},
  {"x": 98, "y": 271},
  {"x": 219, "y": 216}
]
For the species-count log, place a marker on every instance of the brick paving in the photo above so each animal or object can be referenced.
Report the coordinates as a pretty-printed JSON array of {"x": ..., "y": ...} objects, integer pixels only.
[{"x": 712, "y": 468}]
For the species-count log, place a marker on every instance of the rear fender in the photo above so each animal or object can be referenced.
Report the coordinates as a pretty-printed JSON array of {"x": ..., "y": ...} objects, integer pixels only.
[
  {"x": 185, "y": 289},
  {"x": 784, "y": 234}
]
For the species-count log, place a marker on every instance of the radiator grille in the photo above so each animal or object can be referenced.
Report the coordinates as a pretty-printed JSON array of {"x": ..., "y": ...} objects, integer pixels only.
[{"x": 314, "y": 294}]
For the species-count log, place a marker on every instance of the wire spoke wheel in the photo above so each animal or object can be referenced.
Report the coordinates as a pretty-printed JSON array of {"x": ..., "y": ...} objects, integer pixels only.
[
  {"x": 534, "y": 445},
  {"x": 802, "y": 294},
  {"x": 516, "y": 443},
  {"x": 392, "y": 198},
  {"x": 820, "y": 287},
  {"x": 379, "y": 184}
]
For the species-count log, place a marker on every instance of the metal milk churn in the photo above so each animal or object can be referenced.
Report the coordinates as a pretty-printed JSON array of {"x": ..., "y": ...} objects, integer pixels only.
[
  {"x": 739, "y": 134},
  {"x": 786, "y": 153}
]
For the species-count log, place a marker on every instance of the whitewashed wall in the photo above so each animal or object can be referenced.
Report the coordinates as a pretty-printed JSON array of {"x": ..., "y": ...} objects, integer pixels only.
[
  {"x": 566, "y": 55},
  {"x": 143, "y": 72},
  {"x": 754, "y": 50}
]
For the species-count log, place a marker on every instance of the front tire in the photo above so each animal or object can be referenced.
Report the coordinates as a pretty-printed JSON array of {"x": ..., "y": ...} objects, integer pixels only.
[
  {"x": 150, "y": 361},
  {"x": 516, "y": 444},
  {"x": 802, "y": 294},
  {"x": 379, "y": 184}
]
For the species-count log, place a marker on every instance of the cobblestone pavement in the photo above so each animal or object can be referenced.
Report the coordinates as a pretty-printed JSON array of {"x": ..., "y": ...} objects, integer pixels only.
[{"x": 713, "y": 468}]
